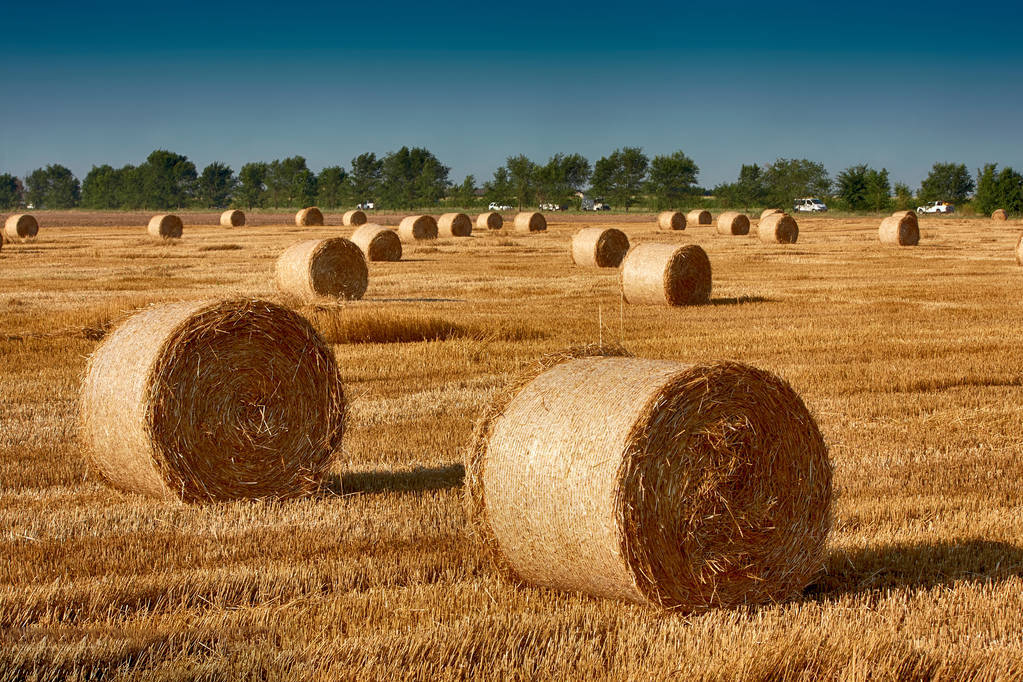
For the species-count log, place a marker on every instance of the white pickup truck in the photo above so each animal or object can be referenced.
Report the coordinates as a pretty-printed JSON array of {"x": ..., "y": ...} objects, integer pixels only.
[{"x": 936, "y": 207}]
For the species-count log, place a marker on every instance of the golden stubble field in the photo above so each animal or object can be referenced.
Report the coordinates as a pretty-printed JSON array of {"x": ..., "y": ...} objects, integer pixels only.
[{"x": 908, "y": 357}]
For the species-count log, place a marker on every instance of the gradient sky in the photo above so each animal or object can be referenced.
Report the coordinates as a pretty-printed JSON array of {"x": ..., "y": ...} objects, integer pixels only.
[{"x": 898, "y": 85}]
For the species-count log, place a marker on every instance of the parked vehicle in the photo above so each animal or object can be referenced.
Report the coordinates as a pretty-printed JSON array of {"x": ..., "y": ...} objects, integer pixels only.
[
  {"x": 809, "y": 205},
  {"x": 494, "y": 206},
  {"x": 552, "y": 207},
  {"x": 601, "y": 206},
  {"x": 936, "y": 207},
  {"x": 366, "y": 206}
]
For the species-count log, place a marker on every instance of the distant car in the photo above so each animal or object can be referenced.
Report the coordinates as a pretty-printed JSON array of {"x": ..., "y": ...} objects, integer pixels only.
[
  {"x": 494, "y": 206},
  {"x": 809, "y": 205},
  {"x": 601, "y": 206},
  {"x": 366, "y": 206},
  {"x": 936, "y": 207},
  {"x": 552, "y": 207},
  {"x": 30, "y": 206}
]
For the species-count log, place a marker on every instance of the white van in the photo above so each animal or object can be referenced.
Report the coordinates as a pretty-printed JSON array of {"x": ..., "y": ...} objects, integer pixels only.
[{"x": 809, "y": 205}]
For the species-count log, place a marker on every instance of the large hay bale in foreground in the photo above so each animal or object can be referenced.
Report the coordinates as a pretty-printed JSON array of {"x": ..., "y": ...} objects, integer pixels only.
[
  {"x": 166, "y": 226},
  {"x": 599, "y": 247},
  {"x": 354, "y": 218},
  {"x": 687, "y": 487},
  {"x": 1019, "y": 250},
  {"x": 699, "y": 217},
  {"x": 491, "y": 220},
  {"x": 232, "y": 218},
  {"x": 999, "y": 214},
  {"x": 454, "y": 225},
  {"x": 378, "y": 243},
  {"x": 309, "y": 217},
  {"x": 666, "y": 274},
  {"x": 769, "y": 211},
  {"x": 213, "y": 401},
  {"x": 417, "y": 227},
  {"x": 778, "y": 228},
  {"x": 901, "y": 228},
  {"x": 21, "y": 226},
  {"x": 530, "y": 221},
  {"x": 671, "y": 220},
  {"x": 320, "y": 269},
  {"x": 733, "y": 223}
]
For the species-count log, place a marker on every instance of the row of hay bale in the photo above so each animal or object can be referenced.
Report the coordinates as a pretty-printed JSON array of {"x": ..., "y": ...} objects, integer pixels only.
[{"x": 775, "y": 226}]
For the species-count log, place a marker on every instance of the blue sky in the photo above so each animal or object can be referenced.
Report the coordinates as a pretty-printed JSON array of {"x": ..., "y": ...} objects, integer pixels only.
[{"x": 898, "y": 85}]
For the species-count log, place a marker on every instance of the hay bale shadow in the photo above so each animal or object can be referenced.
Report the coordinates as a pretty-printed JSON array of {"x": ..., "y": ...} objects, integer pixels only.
[{"x": 418, "y": 479}]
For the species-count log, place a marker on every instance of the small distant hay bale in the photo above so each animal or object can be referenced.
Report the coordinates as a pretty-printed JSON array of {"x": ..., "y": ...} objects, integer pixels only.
[
  {"x": 354, "y": 218},
  {"x": 454, "y": 225},
  {"x": 769, "y": 211},
  {"x": 309, "y": 217},
  {"x": 778, "y": 228},
  {"x": 666, "y": 274},
  {"x": 21, "y": 226},
  {"x": 320, "y": 269},
  {"x": 699, "y": 217},
  {"x": 166, "y": 226},
  {"x": 900, "y": 228},
  {"x": 491, "y": 220},
  {"x": 733, "y": 223},
  {"x": 530, "y": 221},
  {"x": 417, "y": 227},
  {"x": 599, "y": 247},
  {"x": 671, "y": 220},
  {"x": 1019, "y": 250},
  {"x": 213, "y": 401},
  {"x": 378, "y": 243},
  {"x": 232, "y": 218},
  {"x": 999, "y": 214},
  {"x": 684, "y": 487}
]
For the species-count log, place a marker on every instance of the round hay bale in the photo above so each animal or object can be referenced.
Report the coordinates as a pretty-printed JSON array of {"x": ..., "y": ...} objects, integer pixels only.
[
  {"x": 1019, "y": 250},
  {"x": 166, "y": 226},
  {"x": 779, "y": 228},
  {"x": 454, "y": 225},
  {"x": 308, "y": 217},
  {"x": 378, "y": 243},
  {"x": 491, "y": 220},
  {"x": 530, "y": 221},
  {"x": 768, "y": 211},
  {"x": 213, "y": 401},
  {"x": 353, "y": 218},
  {"x": 999, "y": 214},
  {"x": 666, "y": 274},
  {"x": 901, "y": 228},
  {"x": 232, "y": 218},
  {"x": 21, "y": 226},
  {"x": 323, "y": 269},
  {"x": 417, "y": 227},
  {"x": 599, "y": 247},
  {"x": 671, "y": 220},
  {"x": 732, "y": 223},
  {"x": 686, "y": 487},
  {"x": 699, "y": 217}
]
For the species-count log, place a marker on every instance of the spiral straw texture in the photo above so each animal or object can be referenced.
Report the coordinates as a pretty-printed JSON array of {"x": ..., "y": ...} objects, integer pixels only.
[
  {"x": 666, "y": 274},
  {"x": 232, "y": 218},
  {"x": 454, "y": 225},
  {"x": 530, "y": 221},
  {"x": 671, "y": 220},
  {"x": 901, "y": 228},
  {"x": 21, "y": 226},
  {"x": 417, "y": 227},
  {"x": 319, "y": 269},
  {"x": 733, "y": 223},
  {"x": 699, "y": 217},
  {"x": 491, "y": 220},
  {"x": 353, "y": 218},
  {"x": 166, "y": 226},
  {"x": 599, "y": 247},
  {"x": 378, "y": 243},
  {"x": 779, "y": 228},
  {"x": 308, "y": 217}
]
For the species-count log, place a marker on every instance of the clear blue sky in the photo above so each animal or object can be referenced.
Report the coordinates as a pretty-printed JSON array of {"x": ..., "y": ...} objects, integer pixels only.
[{"x": 899, "y": 85}]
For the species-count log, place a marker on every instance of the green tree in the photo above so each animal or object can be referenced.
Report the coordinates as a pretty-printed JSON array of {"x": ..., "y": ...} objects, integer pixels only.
[
  {"x": 904, "y": 199},
  {"x": 290, "y": 183},
  {"x": 499, "y": 189},
  {"x": 789, "y": 179},
  {"x": 413, "y": 177},
  {"x": 52, "y": 187},
  {"x": 251, "y": 190},
  {"x": 947, "y": 182},
  {"x": 332, "y": 186},
  {"x": 620, "y": 176},
  {"x": 10, "y": 197},
  {"x": 1010, "y": 190},
  {"x": 465, "y": 194},
  {"x": 168, "y": 180},
  {"x": 522, "y": 175},
  {"x": 672, "y": 179},
  {"x": 986, "y": 198},
  {"x": 852, "y": 187},
  {"x": 216, "y": 185},
  {"x": 878, "y": 191},
  {"x": 364, "y": 180},
  {"x": 748, "y": 191},
  {"x": 102, "y": 188}
]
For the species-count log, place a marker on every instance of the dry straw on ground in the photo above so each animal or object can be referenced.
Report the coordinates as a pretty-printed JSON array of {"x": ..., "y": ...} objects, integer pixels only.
[
  {"x": 1019, "y": 250},
  {"x": 666, "y": 274},
  {"x": 166, "y": 225},
  {"x": 308, "y": 217},
  {"x": 687, "y": 487},
  {"x": 320, "y": 269},
  {"x": 901, "y": 228},
  {"x": 779, "y": 228},
  {"x": 733, "y": 223},
  {"x": 600, "y": 247},
  {"x": 671, "y": 220},
  {"x": 491, "y": 220},
  {"x": 768, "y": 211},
  {"x": 353, "y": 218},
  {"x": 213, "y": 401},
  {"x": 530, "y": 221},
  {"x": 454, "y": 225},
  {"x": 378, "y": 243},
  {"x": 417, "y": 227},
  {"x": 232, "y": 218},
  {"x": 699, "y": 217},
  {"x": 999, "y": 214},
  {"x": 21, "y": 226}
]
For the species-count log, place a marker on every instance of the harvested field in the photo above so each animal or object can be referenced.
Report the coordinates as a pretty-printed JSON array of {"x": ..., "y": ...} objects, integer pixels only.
[{"x": 906, "y": 357}]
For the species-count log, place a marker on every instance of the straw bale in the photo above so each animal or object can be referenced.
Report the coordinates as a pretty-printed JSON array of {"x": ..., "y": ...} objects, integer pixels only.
[
  {"x": 666, "y": 274},
  {"x": 232, "y": 218},
  {"x": 378, "y": 243},
  {"x": 491, "y": 220},
  {"x": 699, "y": 217},
  {"x": 354, "y": 218},
  {"x": 599, "y": 247},
  {"x": 167, "y": 226},
  {"x": 417, "y": 227},
  {"x": 1019, "y": 250},
  {"x": 768, "y": 211},
  {"x": 900, "y": 228},
  {"x": 454, "y": 225},
  {"x": 733, "y": 223},
  {"x": 778, "y": 228},
  {"x": 21, "y": 226},
  {"x": 671, "y": 220},
  {"x": 308, "y": 217},
  {"x": 999, "y": 214},
  {"x": 320, "y": 269},
  {"x": 530, "y": 221}
]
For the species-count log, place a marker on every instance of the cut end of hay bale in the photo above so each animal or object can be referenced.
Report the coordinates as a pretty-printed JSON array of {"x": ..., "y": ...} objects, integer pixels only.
[
  {"x": 687, "y": 487},
  {"x": 491, "y": 220},
  {"x": 1019, "y": 250},
  {"x": 733, "y": 223},
  {"x": 599, "y": 247},
  {"x": 417, "y": 227},
  {"x": 353, "y": 218},
  {"x": 778, "y": 228},
  {"x": 378, "y": 243},
  {"x": 213, "y": 401},
  {"x": 900, "y": 228},
  {"x": 309, "y": 217},
  {"x": 232, "y": 218},
  {"x": 323, "y": 269},
  {"x": 699, "y": 217},
  {"x": 454, "y": 225},
  {"x": 530, "y": 221},
  {"x": 166, "y": 226},
  {"x": 671, "y": 220},
  {"x": 666, "y": 274},
  {"x": 999, "y": 214},
  {"x": 769, "y": 211},
  {"x": 21, "y": 226}
]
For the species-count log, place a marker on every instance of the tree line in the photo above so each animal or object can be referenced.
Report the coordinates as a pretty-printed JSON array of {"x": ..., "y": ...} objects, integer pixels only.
[{"x": 415, "y": 177}]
